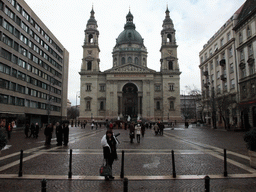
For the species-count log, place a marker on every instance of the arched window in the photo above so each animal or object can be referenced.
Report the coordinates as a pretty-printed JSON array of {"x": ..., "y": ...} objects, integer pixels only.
[
  {"x": 129, "y": 60},
  {"x": 171, "y": 105},
  {"x": 136, "y": 60},
  {"x": 158, "y": 105},
  {"x": 90, "y": 40},
  {"x": 88, "y": 105},
  {"x": 123, "y": 60},
  {"x": 144, "y": 62},
  {"x": 170, "y": 65},
  {"x": 115, "y": 62},
  {"x": 169, "y": 38},
  {"x": 89, "y": 65},
  {"x": 101, "y": 105}
]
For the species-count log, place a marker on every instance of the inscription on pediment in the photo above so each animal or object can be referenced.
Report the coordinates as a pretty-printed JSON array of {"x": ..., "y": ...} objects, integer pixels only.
[{"x": 129, "y": 68}]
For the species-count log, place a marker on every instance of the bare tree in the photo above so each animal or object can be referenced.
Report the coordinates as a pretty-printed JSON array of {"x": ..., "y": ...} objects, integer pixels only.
[
  {"x": 197, "y": 95},
  {"x": 224, "y": 103},
  {"x": 72, "y": 112}
]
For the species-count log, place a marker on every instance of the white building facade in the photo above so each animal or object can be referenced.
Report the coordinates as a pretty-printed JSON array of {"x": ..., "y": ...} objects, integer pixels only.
[{"x": 130, "y": 88}]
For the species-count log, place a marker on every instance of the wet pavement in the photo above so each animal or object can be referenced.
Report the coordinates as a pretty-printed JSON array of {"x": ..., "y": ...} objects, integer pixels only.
[{"x": 147, "y": 165}]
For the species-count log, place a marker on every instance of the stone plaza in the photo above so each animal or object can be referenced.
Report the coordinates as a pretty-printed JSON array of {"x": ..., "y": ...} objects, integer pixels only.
[{"x": 147, "y": 165}]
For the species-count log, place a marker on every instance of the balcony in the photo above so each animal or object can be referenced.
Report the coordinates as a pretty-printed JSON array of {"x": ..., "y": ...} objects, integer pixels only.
[
  {"x": 223, "y": 77},
  {"x": 222, "y": 62},
  {"x": 205, "y": 73}
]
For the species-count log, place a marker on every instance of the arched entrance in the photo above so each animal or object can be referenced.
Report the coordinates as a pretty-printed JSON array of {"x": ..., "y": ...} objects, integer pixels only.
[{"x": 130, "y": 100}]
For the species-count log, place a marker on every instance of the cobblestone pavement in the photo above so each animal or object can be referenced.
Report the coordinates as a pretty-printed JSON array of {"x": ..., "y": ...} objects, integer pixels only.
[{"x": 148, "y": 165}]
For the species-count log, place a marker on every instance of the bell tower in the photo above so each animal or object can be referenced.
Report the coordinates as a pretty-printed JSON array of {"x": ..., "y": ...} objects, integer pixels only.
[
  {"x": 169, "y": 60},
  {"x": 90, "y": 61}
]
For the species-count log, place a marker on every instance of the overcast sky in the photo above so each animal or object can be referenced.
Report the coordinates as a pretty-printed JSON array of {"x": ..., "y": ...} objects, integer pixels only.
[{"x": 195, "y": 22}]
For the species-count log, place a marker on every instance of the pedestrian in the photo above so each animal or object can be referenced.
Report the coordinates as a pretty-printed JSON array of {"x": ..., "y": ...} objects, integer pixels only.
[
  {"x": 161, "y": 128},
  {"x": 156, "y": 129},
  {"x": 143, "y": 128},
  {"x": 37, "y": 130},
  {"x": 48, "y": 134},
  {"x": 9, "y": 130},
  {"x": 92, "y": 125},
  {"x": 65, "y": 131},
  {"x": 132, "y": 131},
  {"x": 26, "y": 130},
  {"x": 59, "y": 134},
  {"x": 138, "y": 132},
  {"x": 109, "y": 142},
  {"x": 96, "y": 125},
  {"x": 32, "y": 130},
  {"x": 111, "y": 125}
]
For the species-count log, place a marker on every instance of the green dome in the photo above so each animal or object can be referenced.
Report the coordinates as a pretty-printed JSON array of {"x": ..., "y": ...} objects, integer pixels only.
[{"x": 129, "y": 35}]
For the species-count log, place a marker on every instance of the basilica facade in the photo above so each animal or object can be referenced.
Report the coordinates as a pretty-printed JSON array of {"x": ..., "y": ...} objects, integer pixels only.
[{"x": 130, "y": 88}]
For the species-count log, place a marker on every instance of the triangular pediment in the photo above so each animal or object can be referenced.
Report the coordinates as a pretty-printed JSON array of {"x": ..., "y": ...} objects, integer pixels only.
[
  {"x": 89, "y": 58},
  {"x": 130, "y": 68},
  {"x": 87, "y": 98}
]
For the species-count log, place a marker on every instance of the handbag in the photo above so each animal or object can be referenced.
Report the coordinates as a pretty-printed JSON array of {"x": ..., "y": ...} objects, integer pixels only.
[{"x": 105, "y": 170}]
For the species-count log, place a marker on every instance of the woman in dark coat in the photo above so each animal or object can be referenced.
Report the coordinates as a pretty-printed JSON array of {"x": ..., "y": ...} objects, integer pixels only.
[
  {"x": 26, "y": 130},
  {"x": 108, "y": 143},
  {"x": 48, "y": 134},
  {"x": 59, "y": 134},
  {"x": 37, "y": 130},
  {"x": 65, "y": 131}
]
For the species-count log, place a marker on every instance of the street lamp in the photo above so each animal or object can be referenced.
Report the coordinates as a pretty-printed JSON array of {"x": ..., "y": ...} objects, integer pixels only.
[{"x": 77, "y": 96}]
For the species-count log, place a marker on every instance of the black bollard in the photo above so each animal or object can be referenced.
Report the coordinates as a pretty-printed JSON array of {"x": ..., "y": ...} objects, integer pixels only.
[
  {"x": 125, "y": 185},
  {"x": 122, "y": 165},
  {"x": 225, "y": 163},
  {"x": 70, "y": 165},
  {"x": 44, "y": 185},
  {"x": 207, "y": 183},
  {"x": 173, "y": 166},
  {"x": 21, "y": 161}
]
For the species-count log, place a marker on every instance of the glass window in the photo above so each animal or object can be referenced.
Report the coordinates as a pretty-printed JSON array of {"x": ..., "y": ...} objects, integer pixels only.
[
  {"x": 4, "y": 84},
  {"x": 123, "y": 60},
  {"x": 222, "y": 42},
  {"x": 250, "y": 50},
  {"x": 6, "y": 54},
  {"x": 9, "y": 12},
  {"x": 230, "y": 51},
  {"x": 241, "y": 55},
  {"x": 240, "y": 38},
  {"x": 232, "y": 83},
  {"x": 231, "y": 68},
  {"x": 157, "y": 88},
  {"x": 228, "y": 36},
  {"x": 24, "y": 27},
  {"x": 171, "y": 105},
  {"x": 3, "y": 99},
  {"x": 158, "y": 105},
  {"x": 7, "y": 40},
  {"x": 88, "y": 105},
  {"x": 248, "y": 31},
  {"x": 8, "y": 26},
  {"x": 170, "y": 65},
  {"x": 12, "y": 100}
]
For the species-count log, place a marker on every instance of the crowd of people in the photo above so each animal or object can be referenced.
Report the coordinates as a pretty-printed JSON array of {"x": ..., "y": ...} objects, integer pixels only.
[{"x": 61, "y": 132}]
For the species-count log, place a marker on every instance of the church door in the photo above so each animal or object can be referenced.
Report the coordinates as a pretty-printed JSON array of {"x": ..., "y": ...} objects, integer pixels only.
[{"x": 130, "y": 100}]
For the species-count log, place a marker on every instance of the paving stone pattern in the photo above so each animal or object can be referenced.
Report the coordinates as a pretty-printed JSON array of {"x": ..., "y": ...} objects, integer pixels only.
[{"x": 151, "y": 157}]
